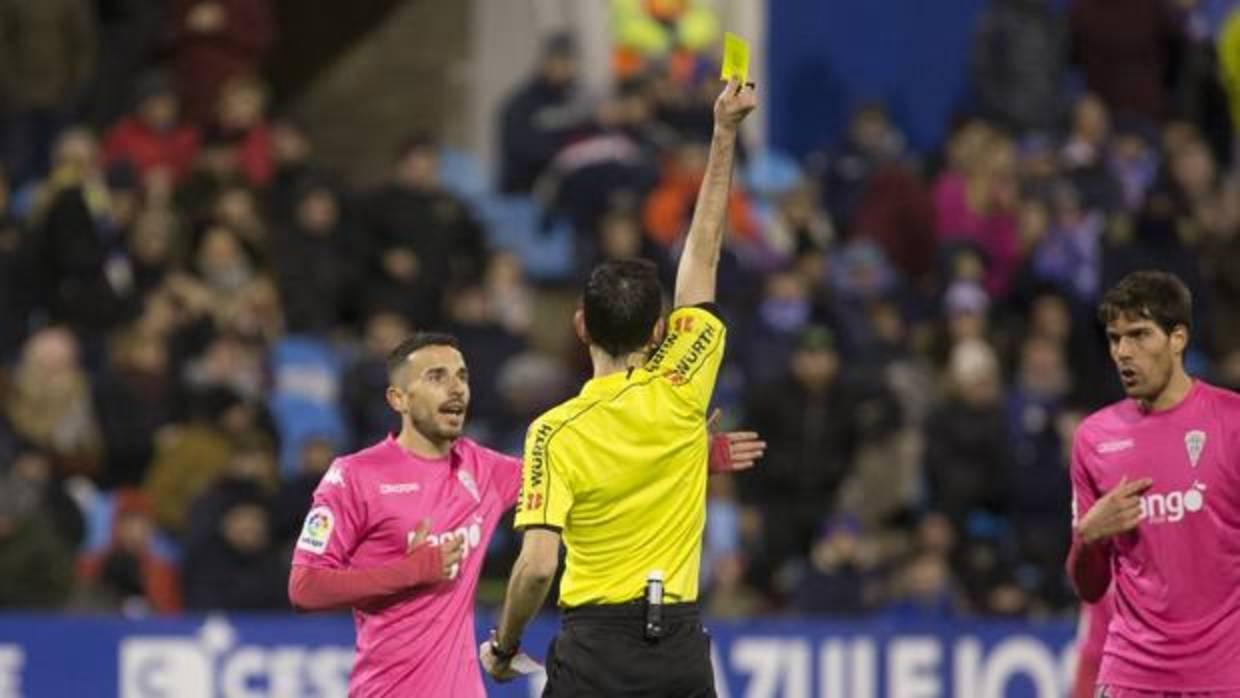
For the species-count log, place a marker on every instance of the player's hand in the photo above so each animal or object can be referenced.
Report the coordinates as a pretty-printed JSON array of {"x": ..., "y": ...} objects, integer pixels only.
[
  {"x": 1117, "y": 512},
  {"x": 733, "y": 104},
  {"x": 733, "y": 450},
  {"x": 449, "y": 552}
]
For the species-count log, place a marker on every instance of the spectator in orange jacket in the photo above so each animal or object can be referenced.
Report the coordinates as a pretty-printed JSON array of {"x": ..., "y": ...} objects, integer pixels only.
[
  {"x": 669, "y": 207},
  {"x": 129, "y": 574}
]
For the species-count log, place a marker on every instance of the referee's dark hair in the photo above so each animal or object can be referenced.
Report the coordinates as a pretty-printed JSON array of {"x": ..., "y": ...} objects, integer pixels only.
[
  {"x": 398, "y": 358},
  {"x": 622, "y": 303},
  {"x": 1150, "y": 295}
]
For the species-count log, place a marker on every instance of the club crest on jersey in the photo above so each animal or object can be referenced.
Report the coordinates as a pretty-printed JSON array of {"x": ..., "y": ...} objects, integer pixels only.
[
  {"x": 1194, "y": 442},
  {"x": 468, "y": 481}
]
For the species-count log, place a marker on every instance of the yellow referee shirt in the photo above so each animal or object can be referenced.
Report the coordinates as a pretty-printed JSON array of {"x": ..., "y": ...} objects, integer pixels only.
[{"x": 621, "y": 470}]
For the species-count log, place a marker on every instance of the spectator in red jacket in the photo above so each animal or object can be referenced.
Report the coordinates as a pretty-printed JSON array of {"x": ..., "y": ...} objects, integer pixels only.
[
  {"x": 242, "y": 111},
  {"x": 153, "y": 137},
  {"x": 215, "y": 41}
]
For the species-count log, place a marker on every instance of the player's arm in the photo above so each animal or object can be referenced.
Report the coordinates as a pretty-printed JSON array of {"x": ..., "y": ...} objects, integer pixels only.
[
  {"x": 322, "y": 577},
  {"x": 695, "y": 276},
  {"x": 1115, "y": 513},
  {"x": 325, "y": 589},
  {"x": 1095, "y": 521}
]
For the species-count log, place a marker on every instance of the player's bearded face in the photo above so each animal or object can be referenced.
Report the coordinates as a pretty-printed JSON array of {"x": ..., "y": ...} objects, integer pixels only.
[
  {"x": 1144, "y": 355},
  {"x": 435, "y": 397}
]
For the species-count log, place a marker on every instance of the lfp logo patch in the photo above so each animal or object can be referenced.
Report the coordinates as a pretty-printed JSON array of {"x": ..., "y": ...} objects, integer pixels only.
[{"x": 317, "y": 531}]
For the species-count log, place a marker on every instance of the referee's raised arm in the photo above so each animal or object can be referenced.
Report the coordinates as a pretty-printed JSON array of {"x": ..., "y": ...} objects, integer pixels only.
[{"x": 695, "y": 276}]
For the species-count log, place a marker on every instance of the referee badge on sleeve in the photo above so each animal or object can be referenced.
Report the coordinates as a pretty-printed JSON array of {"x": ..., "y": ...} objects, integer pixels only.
[{"x": 317, "y": 531}]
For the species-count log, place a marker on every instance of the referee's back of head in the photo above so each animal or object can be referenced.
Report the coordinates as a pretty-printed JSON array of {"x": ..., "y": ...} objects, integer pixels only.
[{"x": 622, "y": 304}]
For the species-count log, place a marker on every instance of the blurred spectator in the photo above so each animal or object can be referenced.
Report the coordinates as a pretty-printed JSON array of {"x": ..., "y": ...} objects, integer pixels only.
[
  {"x": 249, "y": 473},
  {"x": 730, "y": 597},
  {"x": 1020, "y": 57},
  {"x": 216, "y": 168},
  {"x": 967, "y": 308},
  {"x": 153, "y": 136},
  {"x": 975, "y": 200},
  {"x": 537, "y": 119},
  {"x": 128, "y": 31},
  {"x": 224, "y": 263},
  {"x": 1133, "y": 162},
  {"x": 509, "y": 294},
  {"x": 1070, "y": 256},
  {"x": 78, "y": 255},
  {"x": 187, "y": 459},
  {"x": 924, "y": 591},
  {"x": 966, "y": 441},
  {"x": 871, "y": 143},
  {"x": 237, "y": 566},
  {"x": 611, "y": 159},
  {"x": 316, "y": 266},
  {"x": 648, "y": 35},
  {"x": 214, "y": 41},
  {"x": 292, "y": 157},
  {"x": 365, "y": 384},
  {"x": 156, "y": 244},
  {"x": 130, "y": 575},
  {"x": 772, "y": 332},
  {"x": 242, "y": 111},
  {"x": 237, "y": 209},
  {"x": 57, "y": 496},
  {"x": 49, "y": 404},
  {"x": 836, "y": 581},
  {"x": 1125, "y": 50},
  {"x": 1085, "y": 156},
  {"x": 47, "y": 53},
  {"x": 292, "y": 501},
  {"x": 421, "y": 237},
  {"x": 36, "y": 565},
  {"x": 800, "y": 224},
  {"x": 137, "y": 376},
  {"x": 487, "y": 346},
  {"x": 806, "y": 418},
  {"x": 896, "y": 211},
  {"x": 529, "y": 384},
  {"x": 15, "y": 303},
  {"x": 1040, "y": 490},
  {"x": 620, "y": 236}
]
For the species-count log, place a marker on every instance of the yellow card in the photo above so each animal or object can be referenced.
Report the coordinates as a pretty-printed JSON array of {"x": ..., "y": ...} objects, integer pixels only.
[{"x": 735, "y": 58}]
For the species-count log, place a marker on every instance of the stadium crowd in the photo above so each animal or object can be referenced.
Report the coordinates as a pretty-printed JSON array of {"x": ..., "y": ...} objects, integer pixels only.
[{"x": 195, "y": 313}]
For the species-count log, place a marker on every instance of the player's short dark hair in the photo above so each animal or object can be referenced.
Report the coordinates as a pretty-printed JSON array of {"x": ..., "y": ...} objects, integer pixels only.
[
  {"x": 1157, "y": 296},
  {"x": 399, "y": 356},
  {"x": 622, "y": 302}
]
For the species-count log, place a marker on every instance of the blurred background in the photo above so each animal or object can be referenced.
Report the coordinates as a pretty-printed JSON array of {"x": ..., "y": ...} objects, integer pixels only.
[{"x": 217, "y": 216}]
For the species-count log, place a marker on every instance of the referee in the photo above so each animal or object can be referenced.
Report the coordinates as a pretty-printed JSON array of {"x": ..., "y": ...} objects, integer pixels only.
[{"x": 619, "y": 472}]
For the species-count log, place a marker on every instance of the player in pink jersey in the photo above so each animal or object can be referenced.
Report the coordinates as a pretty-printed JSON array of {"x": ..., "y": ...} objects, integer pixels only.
[
  {"x": 397, "y": 531},
  {"x": 1156, "y": 498}
]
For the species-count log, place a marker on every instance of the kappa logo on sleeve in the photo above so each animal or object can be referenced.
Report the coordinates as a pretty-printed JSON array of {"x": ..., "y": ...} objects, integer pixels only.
[
  {"x": 317, "y": 531},
  {"x": 335, "y": 475}
]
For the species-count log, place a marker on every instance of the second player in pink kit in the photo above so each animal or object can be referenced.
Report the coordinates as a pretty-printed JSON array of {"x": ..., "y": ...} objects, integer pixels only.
[{"x": 1156, "y": 483}]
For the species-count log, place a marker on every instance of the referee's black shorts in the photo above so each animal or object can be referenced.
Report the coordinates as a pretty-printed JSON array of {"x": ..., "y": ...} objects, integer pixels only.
[{"x": 602, "y": 651}]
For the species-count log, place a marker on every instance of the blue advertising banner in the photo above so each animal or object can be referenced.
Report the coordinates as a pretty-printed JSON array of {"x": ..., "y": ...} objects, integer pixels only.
[{"x": 283, "y": 656}]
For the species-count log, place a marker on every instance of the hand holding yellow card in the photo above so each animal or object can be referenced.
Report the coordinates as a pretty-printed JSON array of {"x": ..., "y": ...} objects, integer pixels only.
[{"x": 735, "y": 58}]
